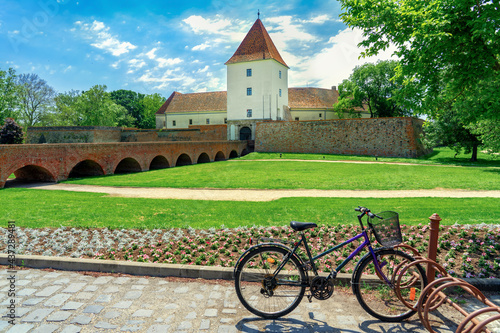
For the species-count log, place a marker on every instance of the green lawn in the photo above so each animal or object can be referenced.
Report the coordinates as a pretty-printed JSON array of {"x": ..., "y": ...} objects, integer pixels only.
[
  {"x": 257, "y": 174},
  {"x": 40, "y": 209},
  {"x": 440, "y": 156}
]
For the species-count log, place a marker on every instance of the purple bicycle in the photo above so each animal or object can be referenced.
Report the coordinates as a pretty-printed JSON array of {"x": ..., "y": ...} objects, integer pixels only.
[{"x": 271, "y": 278}]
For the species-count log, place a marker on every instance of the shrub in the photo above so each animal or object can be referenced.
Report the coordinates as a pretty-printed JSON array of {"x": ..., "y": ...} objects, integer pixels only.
[{"x": 11, "y": 132}]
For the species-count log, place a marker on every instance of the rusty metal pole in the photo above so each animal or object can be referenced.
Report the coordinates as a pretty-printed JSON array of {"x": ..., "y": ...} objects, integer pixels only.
[{"x": 433, "y": 243}]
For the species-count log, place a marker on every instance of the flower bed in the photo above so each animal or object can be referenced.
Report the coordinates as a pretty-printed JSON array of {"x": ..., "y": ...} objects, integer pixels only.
[{"x": 464, "y": 250}]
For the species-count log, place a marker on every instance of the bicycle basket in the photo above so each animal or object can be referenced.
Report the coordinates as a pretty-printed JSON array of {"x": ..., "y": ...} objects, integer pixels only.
[{"x": 387, "y": 231}]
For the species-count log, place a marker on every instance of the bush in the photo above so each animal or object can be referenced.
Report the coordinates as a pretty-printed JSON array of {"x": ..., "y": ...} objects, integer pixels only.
[{"x": 11, "y": 132}]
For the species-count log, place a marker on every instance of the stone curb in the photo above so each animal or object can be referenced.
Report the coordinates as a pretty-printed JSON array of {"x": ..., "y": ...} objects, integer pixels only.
[{"x": 166, "y": 270}]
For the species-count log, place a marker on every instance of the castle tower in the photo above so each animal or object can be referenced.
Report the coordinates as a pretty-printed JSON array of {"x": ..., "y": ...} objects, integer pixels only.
[{"x": 257, "y": 84}]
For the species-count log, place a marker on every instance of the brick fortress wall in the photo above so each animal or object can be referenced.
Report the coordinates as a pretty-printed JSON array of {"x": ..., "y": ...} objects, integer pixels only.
[{"x": 397, "y": 137}]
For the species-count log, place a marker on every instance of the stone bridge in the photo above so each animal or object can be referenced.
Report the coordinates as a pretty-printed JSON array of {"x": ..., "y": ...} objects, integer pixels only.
[{"x": 56, "y": 162}]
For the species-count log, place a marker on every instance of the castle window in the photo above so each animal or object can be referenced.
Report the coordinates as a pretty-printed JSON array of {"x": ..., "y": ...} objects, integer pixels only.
[
  {"x": 190, "y": 121},
  {"x": 320, "y": 115},
  {"x": 225, "y": 120},
  {"x": 173, "y": 122},
  {"x": 280, "y": 74},
  {"x": 249, "y": 72},
  {"x": 249, "y": 113},
  {"x": 249, "y": 91},
  {"x": 208, "y": 121},
  {"x": 296, "y": 118},
  {"x": 280, "y": 92}
]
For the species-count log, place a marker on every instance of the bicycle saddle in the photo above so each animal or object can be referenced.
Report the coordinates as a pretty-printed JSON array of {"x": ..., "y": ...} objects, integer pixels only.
[{"x": 299, "y": 226}]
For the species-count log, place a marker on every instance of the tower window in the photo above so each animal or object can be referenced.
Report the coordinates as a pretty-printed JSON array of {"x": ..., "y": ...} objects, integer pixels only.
[
  {"x": 249, "y": 72},
  {"x": 173, "y": 123},
  {"x": 249, "y": 113},
  {"x": 208, "y": 121},
  {"x": 280, "y": 74},
  {"x": 249, "y": 91},
  {"x": 190, "y": 121},
  {"x": 280, "y": 92}
]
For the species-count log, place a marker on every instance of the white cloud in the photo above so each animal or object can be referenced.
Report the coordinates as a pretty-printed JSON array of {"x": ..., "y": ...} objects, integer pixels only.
[
  {"x": 201, "y": 47},
  {"x": 103, "y": 39},
  {"x": 335, "y": 63},
  {"x": 201, "y": 25}
]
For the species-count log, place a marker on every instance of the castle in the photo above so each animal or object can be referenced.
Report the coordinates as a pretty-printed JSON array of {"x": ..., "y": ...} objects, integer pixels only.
[{"x": 257, "y": 91}]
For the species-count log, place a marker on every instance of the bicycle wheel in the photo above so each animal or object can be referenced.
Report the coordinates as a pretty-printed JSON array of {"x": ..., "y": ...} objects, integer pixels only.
[
  {"x": 376, "y": 296},
  {"x": 263, "y": 293}
]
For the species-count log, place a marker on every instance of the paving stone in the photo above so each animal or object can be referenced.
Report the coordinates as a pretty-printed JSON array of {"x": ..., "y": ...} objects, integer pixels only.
[
  {"x": 229, "y": 311},
  {"x": 71, "y": 329},
  {"x": 133, "y": 294},
  {"x": 59, "y": 316},
  {"x": 111, "y": 290},
  {"x": 185, "y": 325},
  {"x": 33, "y": 301},
  {"x": 158, "y": 328},
  {"x": 121, "y": 280},
  {"x": 52, "y": 275},
  {"x": 84, "y": 295},
  {"x": 19, "y": 312},
  {"x": 93, "y": 309},
  {"x": 105, "y": 325},
  {"x": 347, "y": 320},
  {"x": 20, "y": 328},
  {"x": 81, "y": 319},
  {"x": 227, "y": 329},
  {"x": 131, "y": 328},
  {"x": 205, "y": 324},
  {"x": 143, "y": 313},
  {"x": 37, "y": 315},
  {"x": 191, "y": 315},
  {"x": 74, "y": 287},
  {"x": 39, "y": 283},
  {"x": 91, "y": 288},
  {"x": 142, "y": 281},
  {"x": 123, "y": 305},
  {"x": 103, "y": 280},
  {"x": 46, "y": 328},
  {"x": 103, "y": 299},
  {"x": 26, "y": 292},
  {"x": 181, "y": 290},
  {"x": 226, "y": 320},
  {"x": 136, "y": 287},
  {"x": 171, "y": 306},
  {"x": 112, "y": 314},
  {"x": 62, "y": 281},
  {"x": 57, "y": 300},
  {"x": 21, "y": 283},
  {"x": 210, "y": 313},
  {"x": 71, "y": 306},
  {"x": 215, "y": 295},
  {"x": 47, "y": 291}
]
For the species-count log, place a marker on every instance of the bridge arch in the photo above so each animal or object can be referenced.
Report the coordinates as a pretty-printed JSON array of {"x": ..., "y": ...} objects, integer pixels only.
[
  {"x": 34, "y": 173},
  {"x": 86, "y": 168},
  {"x": 159, "y": 162},
  {"x": 233, "y": 154},
  {"x": 203, "y": 158},
  {"x": 128, "y": 165},
  {"x": 219, "y": 156},
  {"x": 183, "y": 159}
]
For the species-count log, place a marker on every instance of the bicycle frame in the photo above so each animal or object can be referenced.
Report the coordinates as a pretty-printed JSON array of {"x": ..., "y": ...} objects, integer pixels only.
[{"x": 333, "y": 273}]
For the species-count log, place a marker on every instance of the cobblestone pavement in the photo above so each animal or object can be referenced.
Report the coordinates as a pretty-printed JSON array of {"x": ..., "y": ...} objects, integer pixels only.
[{"x": 63, "y": 301}]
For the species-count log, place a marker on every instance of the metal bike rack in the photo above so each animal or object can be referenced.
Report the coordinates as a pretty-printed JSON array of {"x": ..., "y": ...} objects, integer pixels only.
[{"x": 432, "y": 297}]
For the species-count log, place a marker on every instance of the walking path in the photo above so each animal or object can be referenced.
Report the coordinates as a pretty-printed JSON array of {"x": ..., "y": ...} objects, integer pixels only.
[
  {"x": 257, "y": 195},
  {"x": 63, "y": 301}
]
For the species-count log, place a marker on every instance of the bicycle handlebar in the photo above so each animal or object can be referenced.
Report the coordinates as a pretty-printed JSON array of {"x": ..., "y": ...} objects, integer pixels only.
[{"x": 366, "y": 211}]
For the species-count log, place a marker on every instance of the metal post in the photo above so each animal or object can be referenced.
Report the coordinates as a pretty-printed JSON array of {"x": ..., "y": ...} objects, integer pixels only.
[{"x": 433, "y": 242}]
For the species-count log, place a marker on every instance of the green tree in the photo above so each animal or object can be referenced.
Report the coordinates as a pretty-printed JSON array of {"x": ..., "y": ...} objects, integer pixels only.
[
  {"x": 151, "y": 104},
  {"x": 65, "y": 112},
  {"x": 8, "y": 96},
  {"x": 372, "y": 87},
  {"x": 132, "y": 102},
  {"x": 35, "y": 98},
  {"x": 449, "y": 50},
  {"x": 11, "y": 132},
  {"x": 95, "y": 108}
]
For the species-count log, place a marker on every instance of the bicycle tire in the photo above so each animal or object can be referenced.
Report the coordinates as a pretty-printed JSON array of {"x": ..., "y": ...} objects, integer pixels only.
[
  {"x": 261, "y": 293},
  {"x": 377, "y": 297}
]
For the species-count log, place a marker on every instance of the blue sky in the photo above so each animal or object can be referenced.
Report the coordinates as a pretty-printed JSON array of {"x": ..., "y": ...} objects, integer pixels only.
[{"x": 162, "y": 46}]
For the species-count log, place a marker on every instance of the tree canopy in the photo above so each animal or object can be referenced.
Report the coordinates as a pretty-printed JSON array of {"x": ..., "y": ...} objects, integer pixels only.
[
  {"x": 8, "y": 97},
  {"x": 372, "y": 87},
  {"x": 448, "y": 49}
]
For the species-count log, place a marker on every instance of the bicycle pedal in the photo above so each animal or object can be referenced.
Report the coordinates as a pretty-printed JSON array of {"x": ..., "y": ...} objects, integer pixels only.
[{"x": 310, "y": 297}]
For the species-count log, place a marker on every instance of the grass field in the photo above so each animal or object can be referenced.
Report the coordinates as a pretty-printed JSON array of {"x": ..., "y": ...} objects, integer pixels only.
[
  {"x": 91, "y": 210},
  {"x": 257, "y": 174}
]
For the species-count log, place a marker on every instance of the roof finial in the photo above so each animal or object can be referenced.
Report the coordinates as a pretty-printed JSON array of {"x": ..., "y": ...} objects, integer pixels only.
[{"x": 258, "y": 14}]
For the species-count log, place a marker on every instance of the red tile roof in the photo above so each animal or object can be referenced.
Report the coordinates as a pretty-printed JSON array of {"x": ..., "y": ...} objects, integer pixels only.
[
  {"x": 206, "y": 101},
  {"x": 311, "y": 98},
  {"x": 257, "y": 45}
]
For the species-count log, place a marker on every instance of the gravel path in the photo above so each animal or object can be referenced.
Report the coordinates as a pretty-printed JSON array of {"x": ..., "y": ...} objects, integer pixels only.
[{"x": 258, "y": 195}]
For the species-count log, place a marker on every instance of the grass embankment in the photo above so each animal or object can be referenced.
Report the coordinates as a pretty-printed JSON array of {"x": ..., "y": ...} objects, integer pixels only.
[{"x": 40, "y": 209}]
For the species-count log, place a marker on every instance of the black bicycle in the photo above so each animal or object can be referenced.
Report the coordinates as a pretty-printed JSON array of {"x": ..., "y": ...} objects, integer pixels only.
[{"x": 271, "y": 278}]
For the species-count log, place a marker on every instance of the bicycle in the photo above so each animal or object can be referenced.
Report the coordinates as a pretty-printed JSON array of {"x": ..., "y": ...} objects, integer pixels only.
[{"x": 271, "y": 278}]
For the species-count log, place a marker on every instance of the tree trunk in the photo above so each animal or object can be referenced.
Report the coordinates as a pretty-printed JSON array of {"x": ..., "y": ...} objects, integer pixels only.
[{"x": 474, "y": 154}]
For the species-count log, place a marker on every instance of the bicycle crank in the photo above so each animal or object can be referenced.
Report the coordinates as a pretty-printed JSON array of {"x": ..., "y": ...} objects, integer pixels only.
[{"x": 321, "y": 288}]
